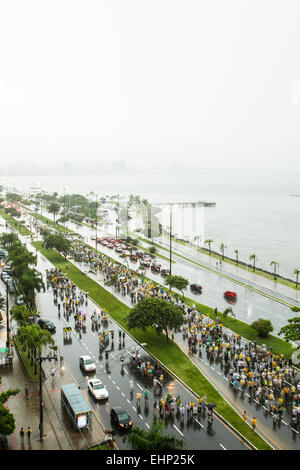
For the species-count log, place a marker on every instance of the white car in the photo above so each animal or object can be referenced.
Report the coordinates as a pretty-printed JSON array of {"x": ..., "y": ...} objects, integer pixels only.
[
  {"x": 87, "y": 364},
  {"x": 97, "y": 389}
]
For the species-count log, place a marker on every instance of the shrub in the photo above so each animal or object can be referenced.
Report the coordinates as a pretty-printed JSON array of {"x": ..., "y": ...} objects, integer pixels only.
[{"x": 263, "y": 327}]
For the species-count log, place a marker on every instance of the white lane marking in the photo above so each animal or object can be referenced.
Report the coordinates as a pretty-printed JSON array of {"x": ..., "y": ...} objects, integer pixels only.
[
  {"x": 125, "y": 370},
  {"x": 285, "y": 423},
  {"x": 113, "y": 356},
  {"x": 134, "y": 408},
  {"x": 141, "y": 416},
  {"x": 101, "y": 366},
  {"x": 177, "y": 429},
  {"x": 109, "y": 376},
  {"x": 127, "y": 400},
  {"x": 199, "y": 423},
  {"x": 222, "y": 446},
  {"x": 212, "y": 368},
  {"x": 147, "y": 425},
  {"x": 226, "y": 378},
  {"x": 219, "y": 373},
  {"x": 118, "y": 387},
  {"x": 114, "y": 382},
  {"x": 206, "y": 363},
  {"x": 123, "y": 394},
  {"x": 247, "y": 394},
  {"x": 140, "y": 387},
  {"x": 294, "y": 430}
]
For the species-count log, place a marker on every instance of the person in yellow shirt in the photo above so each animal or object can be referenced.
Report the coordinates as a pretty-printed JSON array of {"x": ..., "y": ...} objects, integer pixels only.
[{"x": 253, "y": 422}]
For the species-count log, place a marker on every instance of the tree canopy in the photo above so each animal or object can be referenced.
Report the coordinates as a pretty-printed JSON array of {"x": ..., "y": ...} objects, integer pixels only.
[
  {"x": 178, "y": 282},
  {"x": 156, "y": 313},
  {"x": 59, "y": 243},
  {"x": 291, "y": 332}
]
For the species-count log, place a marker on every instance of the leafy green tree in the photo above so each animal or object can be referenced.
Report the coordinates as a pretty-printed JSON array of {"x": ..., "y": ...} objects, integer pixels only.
[
  {"x": 291, "y": 331},
  {"x": 156, "y": 313},
  {"x": 30, "y": 281},
  {"x": 53, "y": 208},
  {"x": 152, "y": 250},
  {"x": 21, "y": 262},
  {"x": 7, "y": 239},
  {"x": 7, "y": 420},
  {"x": 178, "y": 282},
  {"x": 13, "y": 212},
  {"x": 227, "y": 311},
  {"x": 152, "y": 439},
  {"x": 62, "y": 245},
  {"x": 254, "y": 258},
  {"x": 33, "y": 338},
  {"x": 21, "y": 314},
  {"x": 209, "y": 241},
  {"x": 263, "y": 327}
]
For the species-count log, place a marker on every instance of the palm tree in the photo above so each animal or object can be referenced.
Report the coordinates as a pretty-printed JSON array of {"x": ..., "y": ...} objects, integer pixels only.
[
  {"x": 34, "y": 338},
  {"x": 297, "y": 272},
  {"x": 222, "y": 248},
  {"x": 253, "y": 257},
  {"x": 275, "y": 264},
  {"x": 209, "y": 241},
  {"x": 153, "y": 439},
  {"x": 54, "y": 208},
  {"x": 237, "y": 256},
  {"x": 197, "y": 239}
]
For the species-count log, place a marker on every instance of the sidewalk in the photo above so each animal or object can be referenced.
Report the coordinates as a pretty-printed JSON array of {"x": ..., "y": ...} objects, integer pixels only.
[{"x": 59, "y": 434}]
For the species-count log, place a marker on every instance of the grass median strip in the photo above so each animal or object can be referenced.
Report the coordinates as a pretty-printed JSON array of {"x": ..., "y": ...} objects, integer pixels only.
[
  {"x": 45, "y": 220},
  {"x": 167, "y": 352},
  {"x": 15, "y": 223}
]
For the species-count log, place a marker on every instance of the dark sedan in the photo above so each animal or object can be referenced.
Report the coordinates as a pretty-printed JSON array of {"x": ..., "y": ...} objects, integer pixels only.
[
  {"x": 120, "y": 418},
  {"x": 47, "y": 325},
  {"x": 196, "y": 288}
]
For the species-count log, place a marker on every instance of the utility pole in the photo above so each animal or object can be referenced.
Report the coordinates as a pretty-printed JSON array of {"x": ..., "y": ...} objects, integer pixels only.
[{"x": 40, "y": 359}]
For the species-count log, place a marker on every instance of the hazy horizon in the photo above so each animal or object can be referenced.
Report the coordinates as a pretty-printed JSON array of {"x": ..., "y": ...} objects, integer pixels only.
[{"x": 202, "y": 85}]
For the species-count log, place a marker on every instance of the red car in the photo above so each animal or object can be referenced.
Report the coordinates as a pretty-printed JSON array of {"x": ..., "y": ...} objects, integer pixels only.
[{"x": 230, "y": 295}]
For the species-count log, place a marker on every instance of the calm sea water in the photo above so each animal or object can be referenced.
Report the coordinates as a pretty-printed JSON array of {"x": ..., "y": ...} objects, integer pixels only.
[{"x": 254, "y": 212}]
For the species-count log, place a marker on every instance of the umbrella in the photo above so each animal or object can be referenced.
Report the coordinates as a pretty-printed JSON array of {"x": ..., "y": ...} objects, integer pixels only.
[{"x": 210, "y": 406}]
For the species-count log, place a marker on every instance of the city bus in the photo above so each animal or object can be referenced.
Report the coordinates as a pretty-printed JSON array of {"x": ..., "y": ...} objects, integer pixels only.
[{"x": 76, "y": 406}]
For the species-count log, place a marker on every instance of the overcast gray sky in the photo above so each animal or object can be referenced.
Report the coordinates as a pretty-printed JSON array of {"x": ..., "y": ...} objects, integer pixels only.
[{"x": 215, "y": 81}]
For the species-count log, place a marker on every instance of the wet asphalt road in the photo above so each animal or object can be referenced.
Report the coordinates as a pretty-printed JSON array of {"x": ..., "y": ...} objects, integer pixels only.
[
  {"x": 196, "y": 433},
  {"x": 249, "y": 306}
]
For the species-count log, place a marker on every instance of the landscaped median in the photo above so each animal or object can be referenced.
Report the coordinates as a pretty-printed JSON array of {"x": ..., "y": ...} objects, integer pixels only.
[
  {"x": 56, "y": 226},
  {"x": 167, "y": 352},
  {"x": 15, "y": 223}
]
